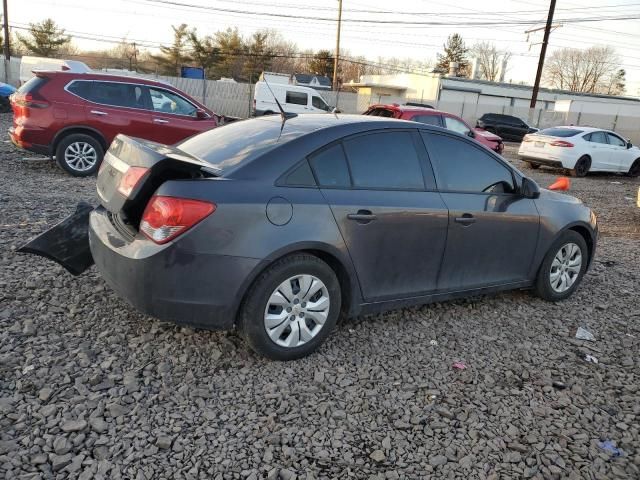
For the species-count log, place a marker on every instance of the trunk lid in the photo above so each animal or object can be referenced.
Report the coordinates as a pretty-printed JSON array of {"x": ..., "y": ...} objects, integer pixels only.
[{"x": 154, "y": 163}]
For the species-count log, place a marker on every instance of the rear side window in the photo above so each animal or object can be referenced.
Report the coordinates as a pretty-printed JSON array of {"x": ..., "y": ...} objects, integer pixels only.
[
  {"x": 117, "y": 94},
  {"x": 562, "y": 132},
  {"x": 462, "y": 167},
  {"x": 384, "y": 160},
  {"x": 428, "y": 119},
  {"x": 80, "y": 88},
  {"x": 596, "y": 137},
  {"x": 33, "y": 85},
  {"x": 301, "y": 176},
  {"x": 297, "y": 98},
  {"x": 330, "y": 166}
]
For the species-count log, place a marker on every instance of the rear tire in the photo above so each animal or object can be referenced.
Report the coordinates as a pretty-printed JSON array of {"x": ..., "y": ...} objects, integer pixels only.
[
  {"x": 79, "y": 154},
  {"x": 581, "y": 167},
  {"x": 634, "y": 170},
  {"x": 5, "y": 105},
  {"x": 555, "y": 265},
  {"x": 534, "y": 166},
  {"x": 274, "y": 325}
]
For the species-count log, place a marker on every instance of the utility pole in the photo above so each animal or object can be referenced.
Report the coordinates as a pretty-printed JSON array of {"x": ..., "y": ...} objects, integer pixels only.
[
  {"x": 543, "y": 52},
  {"x": 7, "y": 50},
  {"x": 335, "y": 59}
]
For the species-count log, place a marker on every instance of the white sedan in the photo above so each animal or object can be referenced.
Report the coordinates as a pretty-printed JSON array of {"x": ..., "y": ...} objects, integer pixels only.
[{"x": 581, "y": 150}]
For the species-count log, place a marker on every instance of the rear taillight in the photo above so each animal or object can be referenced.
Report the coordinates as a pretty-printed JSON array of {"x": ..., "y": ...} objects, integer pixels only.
[
  {"x": 130, "y": 179},
  {"x": 30, "y": 100},
  {"x": 561, "y": 143},
  {"x": 167, "y": 217}
]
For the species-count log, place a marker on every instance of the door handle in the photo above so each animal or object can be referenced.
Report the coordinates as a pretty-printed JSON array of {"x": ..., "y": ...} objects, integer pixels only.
[
  {"x": 363, "y": 216},
  {"x": 98, "y": 112},
  {"x": 160, "y": 120},
  {"x": 466, "y": 219}
]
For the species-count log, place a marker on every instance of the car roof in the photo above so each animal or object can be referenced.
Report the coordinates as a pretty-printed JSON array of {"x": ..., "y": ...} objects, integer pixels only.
[
  {"x": 311, "y": 122},
  {"x": 102, "y": 76},
  {"x": 580, "y": 127}
]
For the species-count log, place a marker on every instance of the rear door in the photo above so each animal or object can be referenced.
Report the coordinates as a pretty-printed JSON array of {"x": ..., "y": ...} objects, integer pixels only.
[
  {"x": 117, "y": 107},
  {"x": 493, "y": 231},
  {"x": 599, "y": 150},
  {"x": 381, "y": 190},
  {"x": 174, "y": 118}
]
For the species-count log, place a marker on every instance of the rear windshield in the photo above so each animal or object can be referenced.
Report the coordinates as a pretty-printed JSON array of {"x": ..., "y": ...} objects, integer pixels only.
[
  {"x": 231, "y": 146},
  {"x": 32, "y": 85},
  {"x": 560, "y": 132}
]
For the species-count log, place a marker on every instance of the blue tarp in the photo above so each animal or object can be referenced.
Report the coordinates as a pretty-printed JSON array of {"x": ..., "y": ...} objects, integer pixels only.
[
  {"x": 6, "y": 90},
  {"x": 192, "y": 72}
]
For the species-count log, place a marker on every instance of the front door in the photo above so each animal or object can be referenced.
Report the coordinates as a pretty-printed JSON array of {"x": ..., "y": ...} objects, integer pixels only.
[
  {"x": 620, "y": 157},
  {"x": 377, "y": 186},
  {"x": 174, "y": 118},
  {"x": 493, "y": 231}
]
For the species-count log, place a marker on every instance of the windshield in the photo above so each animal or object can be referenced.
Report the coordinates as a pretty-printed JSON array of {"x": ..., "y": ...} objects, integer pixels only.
[
  {"x": 238, "y": 143},
  {"x": 560, "y": 132}
]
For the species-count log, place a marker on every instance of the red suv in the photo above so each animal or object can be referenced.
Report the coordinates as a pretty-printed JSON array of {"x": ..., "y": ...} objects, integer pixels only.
[
  {"x": 75, "y": 116},
  {"x": 426, "y": 114}
]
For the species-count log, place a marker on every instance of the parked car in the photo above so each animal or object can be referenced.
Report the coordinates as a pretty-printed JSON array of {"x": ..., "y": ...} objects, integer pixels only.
[
  {"x": 6, "y": 91},
  {"x": 75, "y": 116},
  {"x": 293, "y": 98},
  {"x": 507, "y": 126},
  {"x": 428, "y": 115},
  {"x": 278, "y": 228},
  {"x": 581, "y": 150}
]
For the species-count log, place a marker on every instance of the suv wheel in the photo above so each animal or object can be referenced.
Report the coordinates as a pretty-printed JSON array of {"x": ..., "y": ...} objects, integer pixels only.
[
  {"x": 563, "y": 267},
  {"x": 79, "y": 154},
  {"x": 634, "y": 170},
  {"x": 291, "y": 308}
]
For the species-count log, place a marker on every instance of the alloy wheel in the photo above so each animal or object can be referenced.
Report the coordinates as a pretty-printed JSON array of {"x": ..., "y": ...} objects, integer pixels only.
[
  {"x": 80, "y": 156},
  {"x": 565, "y": 268},
  {"x": 296, "y": 311}
]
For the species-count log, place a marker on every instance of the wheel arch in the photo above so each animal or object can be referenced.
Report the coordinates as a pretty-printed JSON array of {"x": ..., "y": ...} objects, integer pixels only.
[
  {"x": 585, "y": 232},
  {"x": 338, "y": 261},
  {"x": 73, "y": 129}
]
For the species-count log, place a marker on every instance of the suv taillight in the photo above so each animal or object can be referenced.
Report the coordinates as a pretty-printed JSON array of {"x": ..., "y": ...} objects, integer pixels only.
[
  {"x": 30, "y": 101},
  {"x": 167, "y": 217}
]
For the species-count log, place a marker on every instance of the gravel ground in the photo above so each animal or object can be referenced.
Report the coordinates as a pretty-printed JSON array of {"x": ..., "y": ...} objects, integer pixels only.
[{"x": 91, "y": 389}]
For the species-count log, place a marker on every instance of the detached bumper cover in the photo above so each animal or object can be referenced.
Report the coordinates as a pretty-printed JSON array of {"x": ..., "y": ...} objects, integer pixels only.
[{"x": 169, "y": 282}]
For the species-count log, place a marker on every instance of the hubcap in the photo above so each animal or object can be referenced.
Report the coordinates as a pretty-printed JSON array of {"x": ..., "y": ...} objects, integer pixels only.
[
  {"x": 80, "y": 156},
  {"x": 565, "y": 267},
  {"x": 296, "y": 311}
]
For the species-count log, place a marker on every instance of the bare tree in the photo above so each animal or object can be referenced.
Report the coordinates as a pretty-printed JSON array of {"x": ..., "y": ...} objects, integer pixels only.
[
  {"x": 592, "y": 70},
  {"x": 490, "y": 60}
]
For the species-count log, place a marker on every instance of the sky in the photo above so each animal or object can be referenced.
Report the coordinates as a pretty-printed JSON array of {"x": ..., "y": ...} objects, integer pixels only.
[{"x": 150, "y": 21}]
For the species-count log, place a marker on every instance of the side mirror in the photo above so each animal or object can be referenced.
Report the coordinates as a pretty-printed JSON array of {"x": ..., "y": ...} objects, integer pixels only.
[
  {"x": 629, "y": 144},
  {"x": 471, "y": 134},
  {"x": 561, "y": 183},
  {"x": 201, "y": 114},
  {"x": 529, "y": 188}
]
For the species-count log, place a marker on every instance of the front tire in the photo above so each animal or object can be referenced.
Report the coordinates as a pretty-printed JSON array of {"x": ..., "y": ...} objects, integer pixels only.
[
  {"x": 563, "y": 267},
  {"x": 79, "y": 154},
  {"x": 291, "y": 308},
  {"x": 634, "y": 170},
  {"x": 582, "y": 166}
]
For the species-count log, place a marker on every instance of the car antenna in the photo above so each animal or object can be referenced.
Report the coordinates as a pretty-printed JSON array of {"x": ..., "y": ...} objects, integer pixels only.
[{"x": 284, "y": 115}]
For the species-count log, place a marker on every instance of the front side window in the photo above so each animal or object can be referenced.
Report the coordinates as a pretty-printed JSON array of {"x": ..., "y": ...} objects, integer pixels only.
[
  {"x": 330, "y": 167},
  {"x": 616, "y": 140},
  {"x": 456, "y": 125},
  {"x": 384, "y": 160},
  {"x": 297, "y": 98},
  {"x": 164, "y": 101},
  {"x": 462, "y": 167},
  {"x": 317, "y": 102},
  {"x": 428, "y": 119}
]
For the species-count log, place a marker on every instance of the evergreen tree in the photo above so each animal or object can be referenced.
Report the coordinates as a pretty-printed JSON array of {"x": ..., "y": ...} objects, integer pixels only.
[
  {"x": 454, "y": 51},
  {"x": 46, "y": 39},
  {"x": 172, "y": 58}
]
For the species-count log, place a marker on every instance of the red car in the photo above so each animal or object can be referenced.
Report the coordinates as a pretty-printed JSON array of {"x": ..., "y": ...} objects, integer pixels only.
[
  {"x": 75, "y": 116},
  {"x": 426, "y": 114}
]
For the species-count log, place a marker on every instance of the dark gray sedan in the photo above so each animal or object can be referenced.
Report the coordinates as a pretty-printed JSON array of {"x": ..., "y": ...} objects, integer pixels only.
[{"x": 279, "y": 228}]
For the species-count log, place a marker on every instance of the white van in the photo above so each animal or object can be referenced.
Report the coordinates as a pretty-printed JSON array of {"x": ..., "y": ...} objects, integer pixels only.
[{"x": 293, "y": 98}]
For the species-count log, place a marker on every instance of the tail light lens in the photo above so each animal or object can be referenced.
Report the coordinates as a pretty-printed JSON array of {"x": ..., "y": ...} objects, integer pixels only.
[
  {"x": 130, "y": 179},
  {"x": 167, "y": 217},
  {"x": 30, "y": 100},
  {"x": 561, "y": 143}
]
